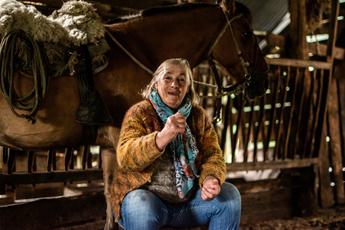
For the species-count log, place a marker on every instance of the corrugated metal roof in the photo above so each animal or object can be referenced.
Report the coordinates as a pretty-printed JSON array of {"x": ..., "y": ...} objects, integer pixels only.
[{"x": 267, "y": 14}]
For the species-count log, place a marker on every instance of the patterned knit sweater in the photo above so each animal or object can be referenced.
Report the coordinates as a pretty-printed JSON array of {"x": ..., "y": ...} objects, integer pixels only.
[{"x": 137, "y": 152}]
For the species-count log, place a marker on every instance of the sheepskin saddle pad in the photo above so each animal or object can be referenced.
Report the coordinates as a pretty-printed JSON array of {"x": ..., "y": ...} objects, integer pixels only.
[{"x": 76, "y": 23}]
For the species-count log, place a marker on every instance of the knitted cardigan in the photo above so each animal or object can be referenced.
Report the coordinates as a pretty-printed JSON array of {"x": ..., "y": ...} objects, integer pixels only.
[{"x": 137, "y": 150}]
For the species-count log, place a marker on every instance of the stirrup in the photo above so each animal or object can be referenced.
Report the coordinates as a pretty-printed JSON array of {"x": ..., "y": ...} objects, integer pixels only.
[{"x": 94, "y": 112}]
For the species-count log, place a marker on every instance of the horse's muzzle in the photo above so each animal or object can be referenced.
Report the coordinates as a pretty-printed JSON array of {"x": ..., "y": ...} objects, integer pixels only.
[{"x": 257, "y": 85}]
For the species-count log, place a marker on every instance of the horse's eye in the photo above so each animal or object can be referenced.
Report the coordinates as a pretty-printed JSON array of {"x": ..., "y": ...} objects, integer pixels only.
[{"x": 247, "y": 34}]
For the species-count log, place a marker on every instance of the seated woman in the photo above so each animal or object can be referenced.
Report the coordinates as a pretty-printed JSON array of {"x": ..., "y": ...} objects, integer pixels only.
[{"x": 170, "y": 168}]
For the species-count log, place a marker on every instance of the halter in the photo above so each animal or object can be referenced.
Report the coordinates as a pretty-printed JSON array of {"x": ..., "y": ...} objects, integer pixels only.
[{"x": 236, "y": 88}]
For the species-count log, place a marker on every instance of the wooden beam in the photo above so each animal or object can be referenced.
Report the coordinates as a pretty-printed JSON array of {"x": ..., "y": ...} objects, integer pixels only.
[
  {"x": 298, "y": 63},
  {"x": 321, "y": 150},
  {"x": 335, "y": 142},
  {"x": 55, "y": 176},
  {"x": 283, "y": 164},
  {"x": 55, "y": 213},
  {"x": 333, "y": 29},
  {"x": 321, "y": 50},
  {"x": 297, "y": 9}
]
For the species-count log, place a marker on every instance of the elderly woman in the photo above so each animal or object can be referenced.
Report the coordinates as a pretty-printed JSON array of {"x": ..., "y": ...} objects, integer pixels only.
[{"x": 170, "y": 169}]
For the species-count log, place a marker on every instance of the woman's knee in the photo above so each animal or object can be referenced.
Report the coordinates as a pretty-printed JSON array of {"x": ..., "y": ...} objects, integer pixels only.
[
  {"x": 231, "y": 196},
  {"x": 141, "y": 203},
  {"x": 139, "y": 199},
  {"x": 141, "y": 209}
]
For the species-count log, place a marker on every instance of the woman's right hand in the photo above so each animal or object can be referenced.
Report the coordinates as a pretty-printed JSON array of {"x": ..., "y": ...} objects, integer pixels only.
[{"x": 175, "y": 124}]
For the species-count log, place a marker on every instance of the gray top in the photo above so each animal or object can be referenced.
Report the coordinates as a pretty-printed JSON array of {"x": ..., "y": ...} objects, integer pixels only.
[{"x": 163, "y": 181}]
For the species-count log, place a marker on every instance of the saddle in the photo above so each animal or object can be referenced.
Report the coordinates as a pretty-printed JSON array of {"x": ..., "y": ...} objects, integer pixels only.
[
  {"x": 71, "y": 41},
  {"x": 76, "y": 23}
]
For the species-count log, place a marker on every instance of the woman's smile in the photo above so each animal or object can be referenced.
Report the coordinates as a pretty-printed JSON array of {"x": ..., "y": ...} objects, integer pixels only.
[{"x": 174, "y": 93}]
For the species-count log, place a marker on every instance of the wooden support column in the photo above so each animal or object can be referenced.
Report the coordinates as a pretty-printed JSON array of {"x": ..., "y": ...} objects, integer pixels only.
[
  {"x": 325, "y": 194},
  {"x": 325, "y": 191},
  {"x": 333, "y": 111},
  {"x": 8, "y": 165},
  {"x": 298, "y": 24},
  {"x": 335, "y": 142}
]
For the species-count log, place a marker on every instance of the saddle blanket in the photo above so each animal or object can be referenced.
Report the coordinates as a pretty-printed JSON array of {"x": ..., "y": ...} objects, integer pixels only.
[{"x": 76, "y": 23}]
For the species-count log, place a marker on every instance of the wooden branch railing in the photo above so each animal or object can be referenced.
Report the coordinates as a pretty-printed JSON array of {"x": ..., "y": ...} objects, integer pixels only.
[
  {"x": 283, "y": 128},
  {"x": 32, "y": 168}
]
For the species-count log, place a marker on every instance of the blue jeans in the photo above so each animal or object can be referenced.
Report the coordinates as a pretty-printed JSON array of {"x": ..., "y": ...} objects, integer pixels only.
[{"x": 143, "y": 210}]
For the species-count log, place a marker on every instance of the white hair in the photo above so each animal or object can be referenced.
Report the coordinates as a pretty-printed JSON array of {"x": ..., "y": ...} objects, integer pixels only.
[{"x": 160, "y": 72}]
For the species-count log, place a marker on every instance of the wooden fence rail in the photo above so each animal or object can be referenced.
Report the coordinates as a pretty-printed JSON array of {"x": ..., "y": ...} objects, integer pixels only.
[
  {"x": 20, "y": 169},
  {"x": 283, "y": 128}
]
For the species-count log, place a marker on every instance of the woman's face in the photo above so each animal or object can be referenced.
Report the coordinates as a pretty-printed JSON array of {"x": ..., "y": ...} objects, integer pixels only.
[{"x": 173, "y": 86}]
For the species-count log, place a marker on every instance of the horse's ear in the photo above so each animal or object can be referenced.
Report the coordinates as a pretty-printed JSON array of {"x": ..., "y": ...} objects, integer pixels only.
[{"x": 228, "y": 6}]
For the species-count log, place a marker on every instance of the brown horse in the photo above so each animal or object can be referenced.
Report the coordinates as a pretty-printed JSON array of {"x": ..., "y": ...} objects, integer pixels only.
[{"x": 194, "y": 31}]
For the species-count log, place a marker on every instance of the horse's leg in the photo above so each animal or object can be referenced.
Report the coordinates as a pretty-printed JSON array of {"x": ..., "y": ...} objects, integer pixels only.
[{"x": 108, "y": 165}]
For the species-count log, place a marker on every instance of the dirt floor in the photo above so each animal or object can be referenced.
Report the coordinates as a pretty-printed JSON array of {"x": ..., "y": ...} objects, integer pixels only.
[{"x": 333, "y": 219}]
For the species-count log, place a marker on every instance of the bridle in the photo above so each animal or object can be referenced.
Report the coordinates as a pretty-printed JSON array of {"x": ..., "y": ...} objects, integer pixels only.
[{"x": 237, "y": 87}]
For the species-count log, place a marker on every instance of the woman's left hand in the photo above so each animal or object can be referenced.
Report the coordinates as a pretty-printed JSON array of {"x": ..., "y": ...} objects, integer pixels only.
[{"x": 210, "y": 188}]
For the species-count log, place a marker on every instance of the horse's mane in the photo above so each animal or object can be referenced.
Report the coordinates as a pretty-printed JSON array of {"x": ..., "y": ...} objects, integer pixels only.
[
  {"x": 163, "y": 9},
  {"x": 244, "y": 10},
  {"x": 240, "y": 9},
  {"x": 156, "y": 10},
  {"x": 172, "y": 8}
]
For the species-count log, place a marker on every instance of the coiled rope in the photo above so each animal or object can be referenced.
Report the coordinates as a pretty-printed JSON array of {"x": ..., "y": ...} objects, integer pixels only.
[{"x": 31, "y": 101}]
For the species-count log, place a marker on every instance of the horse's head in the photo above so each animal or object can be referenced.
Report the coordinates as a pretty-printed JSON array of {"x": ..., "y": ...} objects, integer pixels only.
[
  {"x": 196, "y": 32},
  {"x": 248, "y": 67}
]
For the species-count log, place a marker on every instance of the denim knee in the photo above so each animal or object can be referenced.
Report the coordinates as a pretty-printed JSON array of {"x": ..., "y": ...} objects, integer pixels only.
[
  {"x": 232, "y": 197},
  {"x": 141, "y": 207},
  {"x": 138, "y": 200}
]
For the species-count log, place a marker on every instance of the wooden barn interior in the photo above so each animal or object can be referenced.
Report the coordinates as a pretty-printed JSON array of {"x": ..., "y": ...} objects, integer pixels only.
[{"x": 285, "y": 150}]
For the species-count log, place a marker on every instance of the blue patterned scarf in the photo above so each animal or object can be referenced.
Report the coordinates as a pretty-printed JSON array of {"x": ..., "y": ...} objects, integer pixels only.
[{"x": 183, "y": 147}]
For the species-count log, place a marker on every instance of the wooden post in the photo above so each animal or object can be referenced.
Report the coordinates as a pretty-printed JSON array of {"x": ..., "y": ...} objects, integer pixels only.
[
  {"x": 298, "y": 14},
  {"x": 8, "y": 165},
  {"x": 325, "y": 193},
  {"x": 335, "y": 142}
]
